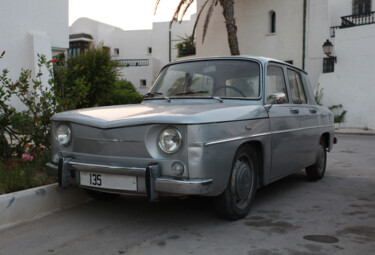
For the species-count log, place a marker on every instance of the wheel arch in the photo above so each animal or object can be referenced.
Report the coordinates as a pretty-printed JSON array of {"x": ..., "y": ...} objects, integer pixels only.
[
  {"x": 259, "y": 150},
  {"x": 326, "y": 137}
]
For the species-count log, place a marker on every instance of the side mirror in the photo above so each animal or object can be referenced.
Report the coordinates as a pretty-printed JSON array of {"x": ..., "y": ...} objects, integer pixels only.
[{"x": 276, "y": 98}]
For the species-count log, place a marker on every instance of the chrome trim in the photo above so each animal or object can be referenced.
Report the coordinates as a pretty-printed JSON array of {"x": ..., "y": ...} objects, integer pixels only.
[
  {"x": 261, "y": 134},
  {"x": 107, "y": 140},
  {"x": 89, "y": 167},
  {"x": 235, "y": 139},
  {"x": 188, "y": 186}
]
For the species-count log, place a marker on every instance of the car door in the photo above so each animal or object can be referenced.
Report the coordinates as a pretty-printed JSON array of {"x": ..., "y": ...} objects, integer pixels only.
[
  {"x": 284, "y": 123},
  {"x": 307, "y": 135}
]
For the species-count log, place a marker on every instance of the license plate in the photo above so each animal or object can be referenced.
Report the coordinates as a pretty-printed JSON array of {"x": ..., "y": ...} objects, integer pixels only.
[{"x": 109, "y": 181}]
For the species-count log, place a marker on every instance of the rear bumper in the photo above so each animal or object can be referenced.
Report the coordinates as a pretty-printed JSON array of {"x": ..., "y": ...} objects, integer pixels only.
[{"x": 150, "y": 181}]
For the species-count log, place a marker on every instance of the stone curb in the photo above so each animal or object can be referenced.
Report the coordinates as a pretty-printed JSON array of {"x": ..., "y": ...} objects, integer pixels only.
[
  {"x": 36, "y": 202},
  {"x": 354, "y": 132}
]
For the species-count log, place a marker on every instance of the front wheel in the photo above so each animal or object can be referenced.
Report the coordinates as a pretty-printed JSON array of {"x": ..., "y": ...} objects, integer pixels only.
[
  {"x": 236, "y": 200},
  {"x": 316, "y": 172}
]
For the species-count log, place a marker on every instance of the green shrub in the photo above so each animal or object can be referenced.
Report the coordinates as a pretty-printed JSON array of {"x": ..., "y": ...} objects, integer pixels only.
[
  {"x": 186, "y": 47},
  {"x": 338, "y": 113},
  {"x": 87, "y": 80},
  {"x": 124, "y": 93},
  {"x": 23, "y": 174}
]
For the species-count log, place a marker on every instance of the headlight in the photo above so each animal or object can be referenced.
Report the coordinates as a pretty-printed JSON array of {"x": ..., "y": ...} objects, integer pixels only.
[
  {"x": 170, "y": 140},
  {"x": 63, "y": 135}
]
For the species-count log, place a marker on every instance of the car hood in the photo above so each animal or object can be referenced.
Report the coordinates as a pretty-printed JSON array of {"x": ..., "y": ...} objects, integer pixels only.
[{"x": 162, "y": 112}]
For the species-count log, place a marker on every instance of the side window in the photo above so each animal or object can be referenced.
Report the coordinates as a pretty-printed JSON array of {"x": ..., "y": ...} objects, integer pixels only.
[
  {"x": 296, "y": 87},
  {"x": 275, "y": 83}
]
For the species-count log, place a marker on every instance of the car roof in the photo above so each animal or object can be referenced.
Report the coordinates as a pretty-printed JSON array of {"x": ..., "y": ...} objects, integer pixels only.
[{"x": 262, "y": 60}]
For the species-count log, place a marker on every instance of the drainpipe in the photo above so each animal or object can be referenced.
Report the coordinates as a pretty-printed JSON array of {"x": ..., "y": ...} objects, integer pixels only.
[{"x": 304, "y": 34}]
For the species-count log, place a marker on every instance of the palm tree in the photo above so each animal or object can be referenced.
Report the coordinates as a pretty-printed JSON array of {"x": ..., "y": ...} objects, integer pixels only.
[{"x": 228, "y": 13}]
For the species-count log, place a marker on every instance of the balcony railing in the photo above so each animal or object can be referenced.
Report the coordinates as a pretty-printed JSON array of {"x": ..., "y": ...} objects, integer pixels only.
[
  {"x": 333, "y": 30},
  {"x": 133, "y": 62},
  {"x": 358, "y": 20},
  {"x": 354, "y": 20}
]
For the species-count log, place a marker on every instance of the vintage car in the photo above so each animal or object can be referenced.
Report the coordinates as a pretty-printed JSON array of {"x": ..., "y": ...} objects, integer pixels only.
[{"x": 219, "y": 127}]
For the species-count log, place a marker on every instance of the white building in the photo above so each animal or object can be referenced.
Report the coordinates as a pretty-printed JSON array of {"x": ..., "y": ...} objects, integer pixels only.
[
  {"x": 142, "y": 52},
  {"x": 294, "y": 31},
  {"x": 29, "y": 28},
  {"x": 352, "y": 80}
]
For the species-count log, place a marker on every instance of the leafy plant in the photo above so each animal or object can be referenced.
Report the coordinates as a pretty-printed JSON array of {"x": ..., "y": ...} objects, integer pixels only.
[
  {"x": 27, "y": 130},
  {"x": 124, "y": 93},
  {"x": 318, "y": 95},
  {"x": 23, "y": 174},
  {"x": 186, "y": 47},
  {"x": 338, "y": 112},
  {"x": 87, "y": 80}
]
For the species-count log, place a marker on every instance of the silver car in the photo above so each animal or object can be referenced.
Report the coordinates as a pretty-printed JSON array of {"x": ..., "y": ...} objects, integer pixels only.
[{"x": 219, "y": 127}]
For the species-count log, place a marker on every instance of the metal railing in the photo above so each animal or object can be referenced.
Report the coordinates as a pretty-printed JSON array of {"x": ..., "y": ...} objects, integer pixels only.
[
  {"x": 333, "y": 30},
  {"x": 358, "y": 20},
  {"x": 133, "y": 62}
]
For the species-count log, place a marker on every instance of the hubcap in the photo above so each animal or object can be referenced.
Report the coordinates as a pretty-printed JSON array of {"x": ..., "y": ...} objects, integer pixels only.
[
  {"x": 321, "y": 159},
  {"x": 242, "y": 182}
]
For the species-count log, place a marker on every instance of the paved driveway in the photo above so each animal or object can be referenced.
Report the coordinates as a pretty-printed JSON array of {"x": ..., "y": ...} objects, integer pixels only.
[{"x": 292, "y": 216}]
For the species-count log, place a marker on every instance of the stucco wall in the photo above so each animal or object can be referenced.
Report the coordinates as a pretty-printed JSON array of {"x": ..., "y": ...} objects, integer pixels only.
[
  {"x": 28, "y": 28},
  {"x": 252, "y": 19},
  {"x": 317, "y": 31},
  {"x": 352, "y": 84}
]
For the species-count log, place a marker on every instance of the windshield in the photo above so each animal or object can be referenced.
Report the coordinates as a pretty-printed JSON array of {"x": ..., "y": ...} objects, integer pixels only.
[{"x": 213, "y": 78}]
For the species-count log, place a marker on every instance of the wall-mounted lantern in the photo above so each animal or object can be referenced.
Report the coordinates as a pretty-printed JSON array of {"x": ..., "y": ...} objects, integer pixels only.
[{"x": 328, "y": 49}]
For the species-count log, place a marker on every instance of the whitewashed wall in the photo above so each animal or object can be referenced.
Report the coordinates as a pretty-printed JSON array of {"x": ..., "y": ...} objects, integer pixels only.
[
  {"x": 28, "y": 28},
  {"x": 252, "y": 19},
  {"x": 352, "y": 84}
]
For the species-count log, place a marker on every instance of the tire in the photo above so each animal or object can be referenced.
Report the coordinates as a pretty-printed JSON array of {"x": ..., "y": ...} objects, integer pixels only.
[
  {"x": 101, "y": 195},
  {"x": 236, "y": 200},
  {"x": 316, "y": 171}
]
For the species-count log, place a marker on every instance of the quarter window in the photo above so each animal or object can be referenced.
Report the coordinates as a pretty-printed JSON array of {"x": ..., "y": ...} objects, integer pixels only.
[
  {"x": 275, "y": 82},
  {"x": 296, "y": 87}
]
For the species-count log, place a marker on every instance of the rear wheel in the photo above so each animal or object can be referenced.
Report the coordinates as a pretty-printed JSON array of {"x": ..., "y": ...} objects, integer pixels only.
[
  {"x": 101, "y": 195},
  {"x": 316, "y": 172},
  {"x": 236, "y": 200}
]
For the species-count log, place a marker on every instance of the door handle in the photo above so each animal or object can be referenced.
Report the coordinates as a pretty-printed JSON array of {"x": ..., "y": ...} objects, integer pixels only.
[
  {"x": 294, "y": 111},
  {"x": 313, "y": 111}
]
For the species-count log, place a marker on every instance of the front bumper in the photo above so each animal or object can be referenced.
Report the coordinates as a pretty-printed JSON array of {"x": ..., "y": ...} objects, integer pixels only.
[{"x": 150, "y": 181}]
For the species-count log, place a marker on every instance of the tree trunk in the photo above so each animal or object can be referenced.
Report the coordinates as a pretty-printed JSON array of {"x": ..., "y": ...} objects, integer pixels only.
[{"x": 230, "y": 22}]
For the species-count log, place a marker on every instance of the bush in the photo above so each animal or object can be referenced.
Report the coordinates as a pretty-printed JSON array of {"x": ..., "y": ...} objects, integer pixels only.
[
  {"x": 25, "y": 131},
  {"x": 124, "y": 93},
  {"x": 87, "y": 80},
  {"x": 186, "y": 47},
  {"x": 23, "y": 174}
]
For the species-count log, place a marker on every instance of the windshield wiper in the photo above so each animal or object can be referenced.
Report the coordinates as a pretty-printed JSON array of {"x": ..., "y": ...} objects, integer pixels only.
[
  {"x": 152, "y": 94},
  {"x": 192, "y": 92},
  {"x": 218, "y": 98}
]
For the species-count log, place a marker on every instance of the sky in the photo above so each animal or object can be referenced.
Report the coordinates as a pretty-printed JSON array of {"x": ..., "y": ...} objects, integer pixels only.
[{"x": 126, "y": 14}]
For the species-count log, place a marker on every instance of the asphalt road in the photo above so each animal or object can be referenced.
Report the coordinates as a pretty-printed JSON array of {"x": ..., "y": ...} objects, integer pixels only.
[{"x": 292, "y": 216}]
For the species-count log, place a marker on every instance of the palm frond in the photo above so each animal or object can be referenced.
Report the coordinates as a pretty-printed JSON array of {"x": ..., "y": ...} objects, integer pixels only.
[
  {"x": 156, "y": 6},
  {"x": 186, "y": 8},
  {"x": 210, "y": 11},
  {"x": 198, "y": 16},
  {"x": 177, "y": 11}
]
